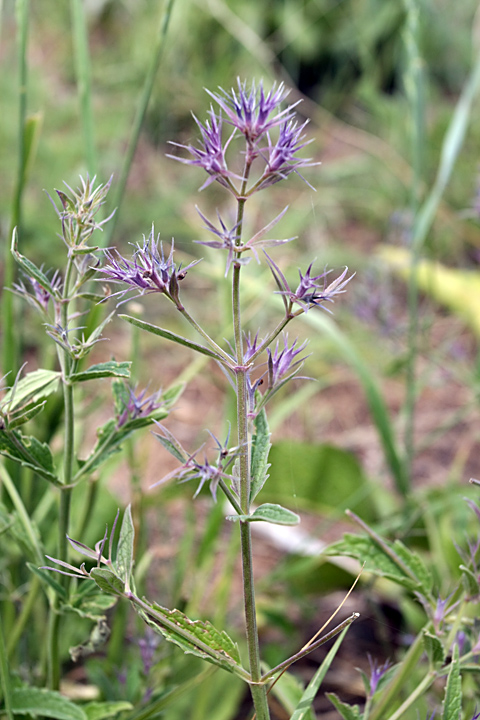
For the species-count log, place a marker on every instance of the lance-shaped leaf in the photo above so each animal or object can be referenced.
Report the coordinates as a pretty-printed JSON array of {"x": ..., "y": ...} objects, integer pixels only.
[
  {"x": 30, "y": 269},
  {"x": 452, "y": 703},
  {"x": 172, "y": 336},
  {"x": 260, "y": 449},
  {"x": 470, "y": 582},
  {"x": 108, "y": 581},
  {"x": 434, "y": 649},
  {"x": 391, "y": 560},
  {"x": 35, "y": 386},
  {"x": 195, "y": 637},
  {"x": 348, "y": 712},
  {"x": 124, "y": 560},
  {"x": 29, "y": 452},
  {"x": 103, "y": 710},
  {"x": 271, "y": 513},
  {"x": 102, "y": 370}
]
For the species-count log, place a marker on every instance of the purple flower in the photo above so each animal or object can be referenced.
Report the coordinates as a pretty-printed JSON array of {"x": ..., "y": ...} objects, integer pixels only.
[
  {"x": 282, "y": 364},
  {"x": 148, "y": 271},
  {"x": 280, "y": 156},
  {"x": 311, "y": 291},
  {"x": 376, "y": 673},
  {"x": 39, "y": 297},
  {"x": 139, "y": 406},
  {"x": 227, "y": 239},
  {"x": 250, "y": 111},
  {"x": 211, "y": 154}
]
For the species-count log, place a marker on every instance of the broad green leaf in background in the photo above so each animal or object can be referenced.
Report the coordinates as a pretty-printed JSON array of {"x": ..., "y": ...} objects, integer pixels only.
[
  {"x": 35, "y": 386},
  {"x": 45, "y": 703},
  {"x": 319, "y": 477}
]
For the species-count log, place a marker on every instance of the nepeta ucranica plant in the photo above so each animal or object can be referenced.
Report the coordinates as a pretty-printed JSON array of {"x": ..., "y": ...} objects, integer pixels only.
[{"x": 270, "y": 140}]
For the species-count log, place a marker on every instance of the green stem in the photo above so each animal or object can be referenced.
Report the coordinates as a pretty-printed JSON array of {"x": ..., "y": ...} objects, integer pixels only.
[
  {"x": 259, "y": 692},
  {"x": 5, "y": 675},
  {"x": 418, "y": 692},
  {"x": 82, "y": 67},
  {"x": 66, "y": 490}
]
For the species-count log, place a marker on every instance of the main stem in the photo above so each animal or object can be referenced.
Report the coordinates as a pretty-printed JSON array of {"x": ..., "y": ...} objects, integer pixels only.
[
  {"x": 65, "y": 491},
  {"x": 259, "y": 692}
]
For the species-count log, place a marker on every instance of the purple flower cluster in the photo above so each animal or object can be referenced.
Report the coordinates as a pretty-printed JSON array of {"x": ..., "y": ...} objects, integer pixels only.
[
  {"x": 252, "y": 113},
  {"x": 139, "y": 406},
  {"x": 149, "y": 270}
]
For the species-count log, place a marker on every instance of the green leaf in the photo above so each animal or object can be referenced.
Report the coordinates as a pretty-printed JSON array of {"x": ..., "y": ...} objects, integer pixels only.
[
  {"x": 452, "y": 703},
  {"x": 171, "y": 336},
  {"x": 302, "y": 709},
  {"x": 34, "y": 387},
  {"x": 348, "y": 712},
  {"x": 434, "y": 649},
  {"x": 30, "y": 269},
  {"x": 23, "y": 415},
  {"x": 271, "y": 513},
  {"x": 470, "y": 582},
  {"x": 102, "y": 370},
  {"x": 260, "y": 449},
  {"x": 194, "y": 637},
  {"x": 48, "y": 578},
  {"x": 124, "y": 560},
  {"x": 29, "y": 452},
  {"x": 102, "y": 710},
  {"x": 45, "y": 703},
  {"x": 408, "y": 571},
  {"x": 107, "y": 581}
]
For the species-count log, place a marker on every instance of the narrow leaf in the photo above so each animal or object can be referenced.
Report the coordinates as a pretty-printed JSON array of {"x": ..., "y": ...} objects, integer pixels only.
[
  {"x": 313, "y": 686},
  {"x": 273, "y": 513},
  {"x": 452, "y": 703},
  {"x": 102, "y": 710},
  {"x": 45, "y": 703},
  {"x": 102, "y": 370},
  {"x": 470, "y": 582},
  {"x": 171, "y": 336},
  {"x": 48, "y": 578},
  {"x": 30, "y": 269},
  {"x": 107, "y": 581},
  {"x": 260, "y": 449},
  {"x": 35, "y": 386},
  {"x": 124, "y": 560},
  {"x": 348, "y": 712}
]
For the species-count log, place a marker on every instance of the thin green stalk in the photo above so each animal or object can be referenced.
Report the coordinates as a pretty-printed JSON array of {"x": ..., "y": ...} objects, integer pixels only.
[
  {"x": 66, "y": 490},
  {"x": 406, "y": 669},
  {"x": 28, "y": 605},
  {"x": 82, "y": 67},
  {"x": 414, "y": 84},
  {"x": 10, "y": 332},
  {"x": 417, "y": 693},
  {"x": 139, "y": 118},
  {"x": 5, "y": 675}
]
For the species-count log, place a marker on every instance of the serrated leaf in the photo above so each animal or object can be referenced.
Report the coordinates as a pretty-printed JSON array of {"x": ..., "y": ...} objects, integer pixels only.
[
  {"x": 30, "y": 269},
  {"x": 348, "y": 712},
  {"x": 410, "y": 572},
  {"x": 470, "y": 582},
  {"x": 102, "y": 710},
  {"x": 452, "y": 703},
  {"x": 194, "y": 637},
  {"x": 434, "y": 649},
  {"x": 260, "y": 449},
  {"x": 273, "y": 513},
  {"x": 124, "y": 560},
  {"x": 171, "y": 336},
  {"x": 29, "y": 452},
  {"x": 107, "y": 581},
  {"x": 45, "y": 703},
  {"x": 102, "y": 370}
]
